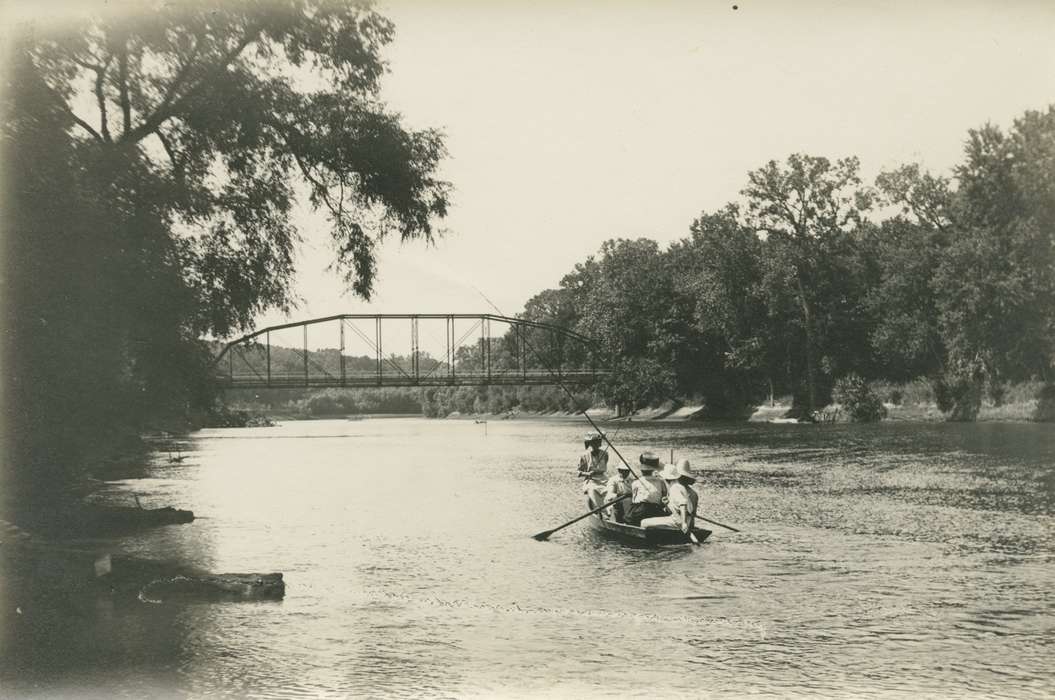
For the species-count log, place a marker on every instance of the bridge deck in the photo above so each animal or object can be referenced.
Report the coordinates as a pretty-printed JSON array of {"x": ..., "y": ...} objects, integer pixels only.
[{"x": 290, "y": 381}]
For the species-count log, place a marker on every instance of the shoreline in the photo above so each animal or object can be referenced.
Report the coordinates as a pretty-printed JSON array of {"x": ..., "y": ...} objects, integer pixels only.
[{"x": 672, "y": 412}]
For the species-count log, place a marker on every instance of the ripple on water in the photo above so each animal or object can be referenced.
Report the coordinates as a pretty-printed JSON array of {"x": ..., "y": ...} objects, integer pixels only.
[{"x": 890, "y": 560}]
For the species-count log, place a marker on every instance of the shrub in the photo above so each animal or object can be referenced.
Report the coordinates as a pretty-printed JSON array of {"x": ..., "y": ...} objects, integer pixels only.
[
  {"x": 997, "y": 392},
  {"x": 858, "y": 399},
  {"x": 1045, "y": 411},
  {"x": 959, "y": 396}
]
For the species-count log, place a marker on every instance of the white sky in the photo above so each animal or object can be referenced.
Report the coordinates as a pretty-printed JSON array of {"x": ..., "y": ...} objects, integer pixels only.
[
  {"x": 569, "y": 123},
  {"x": 572, "y": 123}
]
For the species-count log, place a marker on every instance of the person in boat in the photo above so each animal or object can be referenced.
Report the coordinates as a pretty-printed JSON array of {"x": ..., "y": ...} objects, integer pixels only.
[
  {"x": 682, "y": 499},
  {"x": 593, "y": 468},
  {"x": 648, "y": 492},
  {"x": 618, "y": 485}
]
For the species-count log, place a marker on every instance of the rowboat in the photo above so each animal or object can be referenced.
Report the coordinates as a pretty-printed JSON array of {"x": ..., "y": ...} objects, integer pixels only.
[{"x": 632, "y": 534}]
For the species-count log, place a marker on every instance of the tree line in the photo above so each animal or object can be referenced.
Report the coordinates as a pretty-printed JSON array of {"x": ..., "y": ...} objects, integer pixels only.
[{"x": 813, "y": 276}]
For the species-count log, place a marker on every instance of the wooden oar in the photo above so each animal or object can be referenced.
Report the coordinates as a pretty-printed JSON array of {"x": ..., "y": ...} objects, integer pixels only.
[
  {"x": 544, "y": 535},
  {"x": 714, "y": 522}
]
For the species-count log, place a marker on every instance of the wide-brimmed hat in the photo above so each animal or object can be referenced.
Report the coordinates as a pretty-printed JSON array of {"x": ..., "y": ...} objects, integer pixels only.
[
  {"x": 622, "y": 467},
  {"x": 591, "y": 437},
  {"x": 669, "y": 473},
  {"x": 648, "y": 461},
  {"x": 682, "y": 469}
]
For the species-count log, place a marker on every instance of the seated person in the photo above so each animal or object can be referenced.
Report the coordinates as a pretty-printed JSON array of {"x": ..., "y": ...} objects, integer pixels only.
[
  {"x": 618, "y": 485},
  {"x": 648, "y": 492},
  {"x": 593, "y": 468},
  {"x": 682, "y": 499}
]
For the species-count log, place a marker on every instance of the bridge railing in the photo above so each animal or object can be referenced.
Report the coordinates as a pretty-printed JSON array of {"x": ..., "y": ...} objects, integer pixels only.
[{"x": 507, "y": 359}]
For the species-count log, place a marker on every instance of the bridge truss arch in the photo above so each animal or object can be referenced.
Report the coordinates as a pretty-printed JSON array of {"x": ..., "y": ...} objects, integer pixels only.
[{"x": 408, "y": 350}]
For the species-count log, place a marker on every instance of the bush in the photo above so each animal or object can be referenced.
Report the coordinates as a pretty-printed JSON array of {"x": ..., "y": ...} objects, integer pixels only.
[
  {"x": 959, "y": 396},
  {"x": 1045, "y": 411},
  {"x": 997, "y": 392},
  {"x": 858, "y": 399}
]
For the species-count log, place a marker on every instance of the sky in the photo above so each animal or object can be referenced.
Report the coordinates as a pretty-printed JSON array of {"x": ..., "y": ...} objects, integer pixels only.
[
  {"x": 572, "y": 123},
  {"x": 569, "y": 123}
]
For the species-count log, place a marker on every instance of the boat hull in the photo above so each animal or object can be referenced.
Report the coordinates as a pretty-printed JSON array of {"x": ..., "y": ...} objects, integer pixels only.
[{"x": 650, "y": 536}]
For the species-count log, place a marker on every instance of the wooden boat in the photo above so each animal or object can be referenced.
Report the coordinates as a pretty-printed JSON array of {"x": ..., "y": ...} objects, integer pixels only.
[{"x": 632, "y": 534}]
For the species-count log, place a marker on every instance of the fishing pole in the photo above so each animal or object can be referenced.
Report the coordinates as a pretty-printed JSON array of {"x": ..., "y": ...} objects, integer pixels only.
[
  {"x": 556, "y": 380},
  {"x": 585, "y": 413}
]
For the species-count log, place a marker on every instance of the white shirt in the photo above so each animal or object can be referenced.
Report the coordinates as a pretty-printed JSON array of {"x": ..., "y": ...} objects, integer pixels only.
[
  {"x": 682, "y": 502},
  {"x": 596, "y": 465},
  {"x": 648, "y": 489},
  {"x": 617, "y": 486}
]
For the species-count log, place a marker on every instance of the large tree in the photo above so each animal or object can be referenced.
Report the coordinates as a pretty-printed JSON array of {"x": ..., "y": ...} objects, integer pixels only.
[
  {"x": 719, "y": 267},
  {"x": 910, "y": 247},
  {"x": 225, "y": 108},
  {"x": 996, "y": 286},
  {"x": 638, "y": 319},
  {"x": 152, "y": 167},
  {"x": 807, "y": 210}
]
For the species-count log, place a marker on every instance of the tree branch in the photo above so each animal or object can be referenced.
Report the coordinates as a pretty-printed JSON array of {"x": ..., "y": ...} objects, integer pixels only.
[
  {"x": 84, "y": 125},
  {"x": 323, "y": 191},
  {"x": 122, "y": 74},
  {"x": 61, "y": 102},
  {"x": 100, "y": 76},
  {"x": 170, "y": 103},
  {"x": 177, "y": 165}
]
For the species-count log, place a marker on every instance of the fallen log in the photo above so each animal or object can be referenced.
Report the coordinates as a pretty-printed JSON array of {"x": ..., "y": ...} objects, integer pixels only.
[
  {"x": 214, "y": 587},
  {"x": 110, "y": 518}
]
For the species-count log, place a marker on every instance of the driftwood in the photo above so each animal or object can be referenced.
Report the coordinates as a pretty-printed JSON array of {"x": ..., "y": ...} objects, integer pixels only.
[
  {"x": 215, "y": 587},
  {"x": 105, "y": 518}
]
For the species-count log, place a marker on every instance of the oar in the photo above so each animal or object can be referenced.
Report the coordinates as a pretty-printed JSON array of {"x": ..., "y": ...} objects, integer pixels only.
[
  {"x": 714, "y": 522},
  {"x": 544, "y": 535},
  {"x": 585, "y": 414}
]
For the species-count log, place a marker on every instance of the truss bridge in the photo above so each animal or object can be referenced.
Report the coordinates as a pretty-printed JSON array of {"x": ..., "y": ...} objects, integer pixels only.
[{"x": 407, "y": 350}]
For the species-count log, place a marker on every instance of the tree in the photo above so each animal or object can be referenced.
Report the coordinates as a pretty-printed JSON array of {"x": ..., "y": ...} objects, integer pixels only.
[
  {"x": 152, "y": 166},
  {"x": 220, "y": 111},
  {"x": 719, "y": 269},
  {"x": 807, "y": 211},
  {"x": 641, "y": 324},
  {"x": 910, "y": 248},
  {"x": 996, "y": 286}
]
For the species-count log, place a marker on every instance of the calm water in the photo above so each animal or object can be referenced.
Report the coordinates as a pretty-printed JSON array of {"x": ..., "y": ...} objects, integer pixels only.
[{"x": 889, "y": 560}]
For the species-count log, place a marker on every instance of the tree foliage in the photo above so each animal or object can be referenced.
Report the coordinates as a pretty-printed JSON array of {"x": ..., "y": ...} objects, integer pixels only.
[
  {"x": 809, "y": 211},
  {"x": 211, "y": 116},
  {"x": 798, "y": 287},
  {"x": 153, "y": 164}
]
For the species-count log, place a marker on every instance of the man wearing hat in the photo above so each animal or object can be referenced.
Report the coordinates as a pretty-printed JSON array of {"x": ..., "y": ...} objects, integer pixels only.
[
  {"x": 682, "y": 499},
  {"x": 648, "y": 492},
  {"x": 618, "y": 485},
  {"x": 593, "y": 468}
]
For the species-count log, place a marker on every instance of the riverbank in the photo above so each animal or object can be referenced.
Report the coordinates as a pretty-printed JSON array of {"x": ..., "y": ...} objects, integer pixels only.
[
  {"x": 1013, "y": 412},
  {"x": 909, "y": 401}
]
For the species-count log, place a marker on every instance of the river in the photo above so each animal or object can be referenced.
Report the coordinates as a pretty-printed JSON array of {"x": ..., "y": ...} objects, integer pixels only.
[{"x": 891, "y": 560}]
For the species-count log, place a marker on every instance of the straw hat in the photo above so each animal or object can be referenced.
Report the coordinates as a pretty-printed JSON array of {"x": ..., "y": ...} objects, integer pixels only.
[
  {"x": 591, "y": 437},
  {"x": 669, "y": 473},
  {"x": 682, "y": 469}
]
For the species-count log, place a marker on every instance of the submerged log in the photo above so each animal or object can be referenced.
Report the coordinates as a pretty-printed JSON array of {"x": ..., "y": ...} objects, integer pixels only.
[
  {"x": 215, "y": 587},
  {"x": 106, "y": 518}
]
